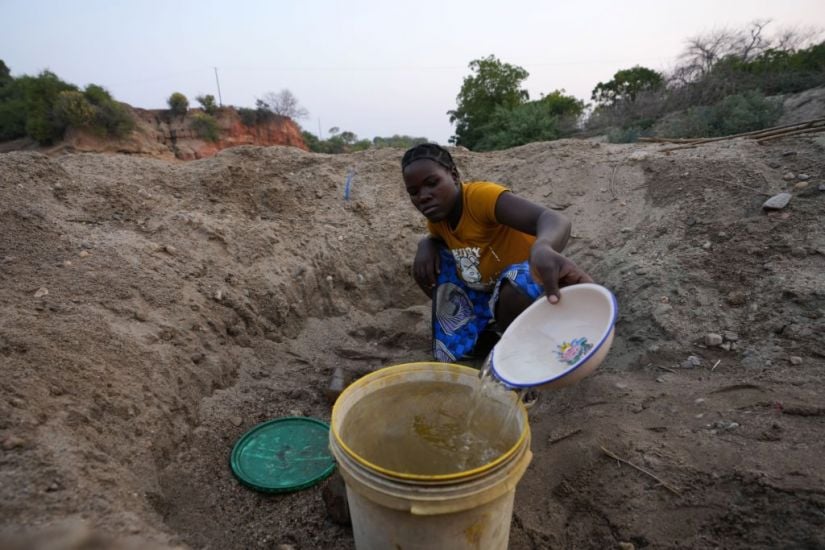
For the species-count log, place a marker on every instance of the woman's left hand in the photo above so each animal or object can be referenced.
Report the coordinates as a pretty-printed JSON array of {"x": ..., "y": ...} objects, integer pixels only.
[{"x": 554, "y": 271}]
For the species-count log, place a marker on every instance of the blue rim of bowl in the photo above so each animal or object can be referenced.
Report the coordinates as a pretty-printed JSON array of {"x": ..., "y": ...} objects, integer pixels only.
[{"x": 515, "y": 385}]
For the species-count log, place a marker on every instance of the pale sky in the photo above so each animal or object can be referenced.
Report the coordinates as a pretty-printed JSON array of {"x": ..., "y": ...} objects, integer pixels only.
[{"x": 376, "y": 68}]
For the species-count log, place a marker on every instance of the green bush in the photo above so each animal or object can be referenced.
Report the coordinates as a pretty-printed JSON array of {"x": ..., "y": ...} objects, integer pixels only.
[
  {"x": 207, "y": 103},
  {"x": 626, "y": 135},
  {"x": 206, "y": 127},
  {"x": 735, "y": 114},
  {"x": 526, "y": 123},
  {"x": 115, "y": 119},
  {"x": 178, "y": 104},
  {"x": 249, "y": 117},
  {"x": 73, "y": 109}
]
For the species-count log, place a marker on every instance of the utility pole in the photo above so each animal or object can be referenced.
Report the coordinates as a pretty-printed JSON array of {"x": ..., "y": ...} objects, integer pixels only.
[{"x": 220, "y": 100}]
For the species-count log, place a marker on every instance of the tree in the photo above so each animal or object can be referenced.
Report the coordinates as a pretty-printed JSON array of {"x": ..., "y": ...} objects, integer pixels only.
[
  {"x": 284, "y": 103},
  {"x": 492, "y": 85},
  {"x": 5, "y": 74},
  {"x": 178, "y": 104},
  {"x": 626, "y": 85}
]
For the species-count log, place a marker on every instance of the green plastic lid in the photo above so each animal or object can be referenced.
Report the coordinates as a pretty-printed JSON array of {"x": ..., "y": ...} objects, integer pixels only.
[{"x": 285, "y": 454}]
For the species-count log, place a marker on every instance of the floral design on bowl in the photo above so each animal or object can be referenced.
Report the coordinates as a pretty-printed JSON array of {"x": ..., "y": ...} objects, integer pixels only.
[{"x": 571, "y": 352}]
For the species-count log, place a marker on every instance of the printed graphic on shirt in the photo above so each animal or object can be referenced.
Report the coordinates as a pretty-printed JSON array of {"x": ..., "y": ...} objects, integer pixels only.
[{"x": 467, "y": 260}]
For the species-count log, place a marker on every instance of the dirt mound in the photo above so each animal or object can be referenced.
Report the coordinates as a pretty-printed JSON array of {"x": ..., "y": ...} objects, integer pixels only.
[{"x": 154, "y": 311}]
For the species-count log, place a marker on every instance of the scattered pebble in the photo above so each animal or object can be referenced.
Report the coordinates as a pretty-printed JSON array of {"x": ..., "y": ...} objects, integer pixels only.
[
  {"x": 707, "y": 245},
  {"x": 736, "y": 298},
  {"x": 713, "y": 339},
  {"x": 218, "y": 295},
  {"x": 799, "y": 252},
  {"x": 795, "y": 360},
  {"x": 789, "y": 176},
  {"x": 725, "y": 346},
  {"x": 329, "y": 278},
  {"x": 236, "y": 420},
  {"x": 724, "y": 425},
  {"x": 626, "y": 230},
  {"x": 296, "y": 412},
  {"x": 169, "y": 249},
  {"x": 84, "y": 254},
  {"x": 140, "y": 315},
  {"x": 67, "y": 263},
  {"x": 777, "y": 202},
  {"x": 691, "y": 362},
  {"x": 53, "y": 486},
  {"x": 627, "y": 546},
  {"x": 821, "y": 186},
  {"x": 40, "y": 292},
  {"x": 12, "y": 442},
  {"x": 730, "y": 336},
  {"x": 699, "y": 400},
  {"x": 800, "y": 186},
  {"x": 803, "y": 177}
]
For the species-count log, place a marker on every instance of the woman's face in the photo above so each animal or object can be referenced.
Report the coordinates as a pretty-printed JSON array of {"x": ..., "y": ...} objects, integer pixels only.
[{"x": 432, "y": 188}]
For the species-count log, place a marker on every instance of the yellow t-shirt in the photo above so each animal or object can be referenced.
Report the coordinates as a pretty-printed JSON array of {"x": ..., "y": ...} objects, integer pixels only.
[{"x": 481, "y": 246}]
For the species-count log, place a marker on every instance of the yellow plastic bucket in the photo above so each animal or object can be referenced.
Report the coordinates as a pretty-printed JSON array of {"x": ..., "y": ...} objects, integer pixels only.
[{"x": 469, "y": 509}]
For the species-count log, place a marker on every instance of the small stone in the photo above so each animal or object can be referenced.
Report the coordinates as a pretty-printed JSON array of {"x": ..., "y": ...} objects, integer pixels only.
[
  {"x": 218, "y": 295},
  {"x": 53, "y": 486},
  {"x": 800, "y": 186},
  {"x": 773, "y": 164},
  {"x": 722, "y": 235},
  {"x": 140, "y": 315},
  {"x": 329, "y": 278},
  {"x": 285, "y": 547},
  {"x": 707, "y": 245},
  {"x": 725, "y": 346},
  {"x": 67, "y": 263},
  {"x": 84, "y": 254},
  {"x": 777, "y": 202},
  {"x": 169, "y": 249},
  {"x": 691, "y": 362},
  {"x": 699, "y": 400},
  {"x": 627, "y": 546},
  {"x": 788, "y": 153},
  {"x": 789, "y": 176},
  {"x": 821, "y": 186},
  {"x": 12, "y": 442},
  {"x": 736, "y": 298},
  {"x": 197, "y": 358},
  {"x": 713, "y": 339},
  {"x": 236, "y": 420},
  {"x": 626, "y": 230},
  {"x": 799, "y": 252},
  {"x": 660, "y": 379},
  {"x": 296, "y": 412},
  {"x": 803, "y": 177},
  {"x": 730, "y": 336},
  {"x": 42, "y": 291},
  {"x": 795, "y": 360}
]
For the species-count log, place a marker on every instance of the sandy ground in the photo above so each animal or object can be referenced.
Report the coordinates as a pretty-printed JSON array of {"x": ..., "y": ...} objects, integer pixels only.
[{"x": 151, "y": 312}]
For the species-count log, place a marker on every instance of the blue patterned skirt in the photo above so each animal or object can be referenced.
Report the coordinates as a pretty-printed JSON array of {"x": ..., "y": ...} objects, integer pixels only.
[{"x": 461, "y": 314}]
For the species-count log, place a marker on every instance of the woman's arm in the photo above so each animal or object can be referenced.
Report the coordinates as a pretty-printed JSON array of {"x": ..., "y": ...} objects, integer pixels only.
[{"x": 552, "y": 231}]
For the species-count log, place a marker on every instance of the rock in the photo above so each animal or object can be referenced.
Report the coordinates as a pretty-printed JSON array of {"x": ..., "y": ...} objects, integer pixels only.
[
  {"x": 140, "y": 315},
  {"x": 730, "y": 336},
  {"x": 53, "y": 486},
  {"x": 799, "y": 252},
  {"x": 296, "y": 412},
  {"x": 803, "y": 177},
  {"x": 788, "y": 153},
  {"x": 795, "y": 360},
  {"x": 707, "y": 245},
  {"x": 169, "y": 249},
  {"x": 84, "y": 254},
  {"x": 12, "y": 442},
  {"x": 197, "y": 358},
  {"x": 67, "y": 263},
  {"x": 626, "y": 230},
  {"x": 736, "y": 298},
  {"x": 691, "y": 362},
  {"x": 789, "y": 176},
  {"x": 218, "y": 295},
  {"x": 236, "y": 420},
  {"x": 42, "y": 291},
  {"x": 285, "y": 547},
  {"x": 725, "y": 346},
  {"x": 329, "y": 278},
  {"x": 800, "y": 186},
  {"x": 713, "y": 339},
  {"x": 821, "y": 186},
  {"x": 627, "y": 546},
  {"x": 773, "y": 164},
  {"x": 777, "y": 202}
]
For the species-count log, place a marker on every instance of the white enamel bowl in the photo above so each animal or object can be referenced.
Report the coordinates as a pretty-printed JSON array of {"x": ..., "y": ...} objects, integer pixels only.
[{"x": 554, "y": 345}]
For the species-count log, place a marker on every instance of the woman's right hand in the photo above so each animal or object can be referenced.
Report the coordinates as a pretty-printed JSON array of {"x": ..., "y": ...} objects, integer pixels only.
[{"x": 427, "y": 265}]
